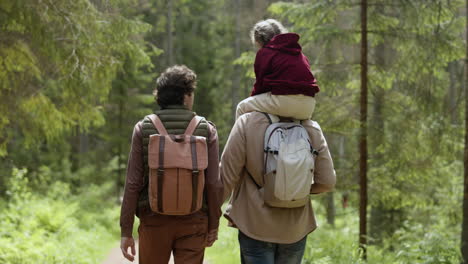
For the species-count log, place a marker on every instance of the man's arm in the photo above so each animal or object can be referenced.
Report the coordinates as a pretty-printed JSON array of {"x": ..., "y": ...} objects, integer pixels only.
[
  {"x": 213, "y": 184},
  {"x": 234, "y": 157},
  {"x": 324, "y": 173},
  {"x": 133, "y": 183}
]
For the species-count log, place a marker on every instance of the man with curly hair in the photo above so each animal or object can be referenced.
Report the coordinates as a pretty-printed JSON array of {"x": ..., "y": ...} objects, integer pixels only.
[{"x": 185, "y": 236}]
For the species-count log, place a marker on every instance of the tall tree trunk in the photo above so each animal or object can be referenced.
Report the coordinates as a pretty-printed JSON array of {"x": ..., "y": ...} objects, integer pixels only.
[
  {"x": 452, "y": 92},
  {"x": 464, "y": 236},
  {"x": 237, "y": 70},
  {"x": 384, "y": 220},
  {"x": 331, "y": 210},
  {"x": 338, "y": 143},
  {"x": 120, "y": 177},
  {"x": 75, "y": 150},
  {"x": 379, "y": 224},
  {"x": 84, "y": 142},
  {"x": 363, "y": 135},
  {"x": 80, "y": 146},
  {"x": 170, "y": 44},
  {"x": 341, "y": 166}
]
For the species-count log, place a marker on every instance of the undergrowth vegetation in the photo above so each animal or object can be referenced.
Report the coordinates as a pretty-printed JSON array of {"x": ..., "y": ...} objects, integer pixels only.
[
  {"x": 434, "y": 241},
  {"x": 62, "y": 224},
  {"x": 58, "y": 226}
]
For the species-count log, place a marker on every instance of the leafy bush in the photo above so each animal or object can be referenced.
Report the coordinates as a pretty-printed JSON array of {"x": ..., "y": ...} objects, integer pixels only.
[
  {"x": 57, "y": 227},
  {"x": 60, "y": 227},
  {"x": 417, "y": 242},
  {"x": 226, "y": 248}
]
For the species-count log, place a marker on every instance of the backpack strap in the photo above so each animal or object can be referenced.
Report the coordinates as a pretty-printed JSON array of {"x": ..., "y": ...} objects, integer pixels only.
[
  {"x": 193, "y": 125},
  {"x": 251, "y": 177},
  {"x": 160, "y": 175},
  {"x": 195, "y": 171},
  {"x": 267, "y": 116},
  {"x": 158, "y": 124}
]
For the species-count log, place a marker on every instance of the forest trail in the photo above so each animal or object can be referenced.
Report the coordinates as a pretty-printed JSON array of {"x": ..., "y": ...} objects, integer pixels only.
[{"x": 115, "y": 257}]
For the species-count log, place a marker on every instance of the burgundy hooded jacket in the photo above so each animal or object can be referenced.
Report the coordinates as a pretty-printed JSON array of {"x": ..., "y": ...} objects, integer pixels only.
[{"x": 282, "y": 69}]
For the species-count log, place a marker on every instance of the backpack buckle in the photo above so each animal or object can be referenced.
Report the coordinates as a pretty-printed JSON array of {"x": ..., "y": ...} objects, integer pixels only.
[
  {"x": 195, "y": 172},
  {"x": 160, "y": 172}
]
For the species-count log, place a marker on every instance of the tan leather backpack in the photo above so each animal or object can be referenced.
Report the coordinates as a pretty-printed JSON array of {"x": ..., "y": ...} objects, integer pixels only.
[{"x": 177, "y": 166}]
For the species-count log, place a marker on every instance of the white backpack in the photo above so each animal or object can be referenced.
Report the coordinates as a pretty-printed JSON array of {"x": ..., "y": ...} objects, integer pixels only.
[{"x": 289, "y": 164}]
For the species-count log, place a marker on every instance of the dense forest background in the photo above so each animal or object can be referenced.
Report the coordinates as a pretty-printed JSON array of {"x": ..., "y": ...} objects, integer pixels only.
[{"x": 76, "y": 75}]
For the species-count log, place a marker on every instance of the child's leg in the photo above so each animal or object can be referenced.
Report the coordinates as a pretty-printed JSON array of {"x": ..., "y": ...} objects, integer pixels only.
[
  {"x": 261, "y": 103},
  {"x": 296, "y": 106}
]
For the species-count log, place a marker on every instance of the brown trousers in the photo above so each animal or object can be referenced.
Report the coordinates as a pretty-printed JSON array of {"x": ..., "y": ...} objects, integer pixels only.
[{"x": 184, "y": 236}]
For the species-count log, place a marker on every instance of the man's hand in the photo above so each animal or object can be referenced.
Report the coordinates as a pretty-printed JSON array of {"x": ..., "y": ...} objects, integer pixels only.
[
  {"x": 125, "y": 243},
  {"x": 211, "y": 237}
]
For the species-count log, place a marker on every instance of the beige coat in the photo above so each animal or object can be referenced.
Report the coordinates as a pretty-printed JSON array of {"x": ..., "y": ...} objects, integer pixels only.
[{"x": 246, "y": 209}]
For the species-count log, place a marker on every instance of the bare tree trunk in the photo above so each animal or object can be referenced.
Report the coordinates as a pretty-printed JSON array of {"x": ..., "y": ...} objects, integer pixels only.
[
  {"x": 170, "y": 44},
  {"x": 331, "y": 210},
  {"x": 452, "y": 92},
  {"x": 464, "y": 235},
  {"x": 338, "y": 143},
  {"x": 379, "y": 223},
  {"x": 237, "y": 70},
  {"x": 383, "y": 217},
  {"x": 84, "y": 142},
  {"x": 120, "y": 178},
  {"x": 75, "y": 150},
  {"x": 363, "y": 135}
]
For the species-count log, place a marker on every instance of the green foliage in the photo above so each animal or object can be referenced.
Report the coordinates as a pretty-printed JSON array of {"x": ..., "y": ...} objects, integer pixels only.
[
  {"x": 415, "y": 243},
  {"x": 57, "y": 227},
  {"x": 246, "y": 60},
  {"x": 412, "y": 139},
  {"x": 58, "y": 60},
  {"x": 226, "y": 248},
  {"x": 75, "y": 76},
  {"x": 412, "y": 243}
]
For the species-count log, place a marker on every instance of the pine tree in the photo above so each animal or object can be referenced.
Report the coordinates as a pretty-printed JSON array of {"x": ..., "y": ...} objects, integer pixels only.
[
  {"x": 363, "y": 135},
  {"x": 58, "y": 62},
  {"x": 464, "y": 235}
]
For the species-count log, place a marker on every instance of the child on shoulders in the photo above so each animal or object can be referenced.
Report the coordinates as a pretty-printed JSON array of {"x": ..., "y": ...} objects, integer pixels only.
[{"x": 284, "y": 84}]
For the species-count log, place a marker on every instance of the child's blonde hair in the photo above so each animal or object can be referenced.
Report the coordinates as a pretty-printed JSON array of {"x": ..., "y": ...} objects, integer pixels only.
[{"x": 265, "y": 30}]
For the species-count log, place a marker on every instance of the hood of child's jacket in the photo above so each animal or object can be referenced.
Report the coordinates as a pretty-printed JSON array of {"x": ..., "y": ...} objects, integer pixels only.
[{"x": 287, "y": 43}]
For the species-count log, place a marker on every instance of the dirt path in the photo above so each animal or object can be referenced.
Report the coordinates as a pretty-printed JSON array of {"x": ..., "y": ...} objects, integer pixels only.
[{"x": 115, "y": 257}]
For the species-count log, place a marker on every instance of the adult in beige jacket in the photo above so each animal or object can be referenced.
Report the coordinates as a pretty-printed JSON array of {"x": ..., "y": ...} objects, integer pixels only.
[{"x": 268, "y": 234}]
